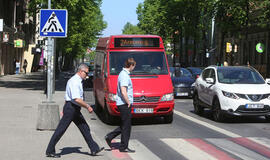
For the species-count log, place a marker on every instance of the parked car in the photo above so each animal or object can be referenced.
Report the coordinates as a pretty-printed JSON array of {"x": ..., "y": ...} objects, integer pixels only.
[
  {"x": 182, "y": 82},
  {"x": 232, "y": 90},
  {"x": 195, "y": 71}
]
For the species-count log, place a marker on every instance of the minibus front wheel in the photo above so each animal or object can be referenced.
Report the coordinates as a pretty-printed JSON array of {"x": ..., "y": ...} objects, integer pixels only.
[
  {"x": 97, "y": 105},
  {"x": 169, "y": 118},
  {"x": 108, "y": 118}
]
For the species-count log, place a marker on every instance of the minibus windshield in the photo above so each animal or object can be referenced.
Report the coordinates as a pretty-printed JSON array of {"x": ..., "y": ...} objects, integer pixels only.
[{"x": 147, "y": 63}]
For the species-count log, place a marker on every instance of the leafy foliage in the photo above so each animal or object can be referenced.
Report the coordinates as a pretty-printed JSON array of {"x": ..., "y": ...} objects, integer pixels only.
[
  {"x": 131, "y": 29},
  {"x": 85, "y": 24},
  {"x": 191, "y": 19}
]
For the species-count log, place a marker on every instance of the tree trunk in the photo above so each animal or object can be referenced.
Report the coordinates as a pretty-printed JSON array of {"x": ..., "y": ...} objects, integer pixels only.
[{"x": 221, "y": 55}]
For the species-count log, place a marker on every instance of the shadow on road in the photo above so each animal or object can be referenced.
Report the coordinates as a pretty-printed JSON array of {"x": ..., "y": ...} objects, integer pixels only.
[
  {"x": 69, "y": 150},
  {"x": 234, "y": 120},
  {"x": 33, "y": 81}
]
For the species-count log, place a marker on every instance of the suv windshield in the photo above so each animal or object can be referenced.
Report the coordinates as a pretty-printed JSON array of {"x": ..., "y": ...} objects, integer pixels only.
[
  {"x": 147, "y": 63},
  {"x": 239, "y": 75}
]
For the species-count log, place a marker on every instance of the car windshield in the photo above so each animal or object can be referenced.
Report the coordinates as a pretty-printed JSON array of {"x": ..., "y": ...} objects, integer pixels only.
[
  {"x": 239, "y": 75},
  {"x": 147, "y": 63},
  {"x": 195, "y": 70},
  {"x": 180, "y": 72}
]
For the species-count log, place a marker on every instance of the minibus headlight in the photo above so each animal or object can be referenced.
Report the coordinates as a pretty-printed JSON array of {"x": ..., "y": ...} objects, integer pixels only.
[
  {"x": 167, "y": 97},
  {"x": 112, "y": 97}
]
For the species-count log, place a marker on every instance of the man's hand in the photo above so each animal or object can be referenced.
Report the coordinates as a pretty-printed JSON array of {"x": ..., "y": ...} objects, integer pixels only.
[
  {"x": 89, "y": 108},
  {"x": 129, "y": 105}
]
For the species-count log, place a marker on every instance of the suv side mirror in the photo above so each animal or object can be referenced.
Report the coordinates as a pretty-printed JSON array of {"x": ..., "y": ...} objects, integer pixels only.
[
  {"x": 209, "y": 80},
  {"x": 267, "y": 80}
]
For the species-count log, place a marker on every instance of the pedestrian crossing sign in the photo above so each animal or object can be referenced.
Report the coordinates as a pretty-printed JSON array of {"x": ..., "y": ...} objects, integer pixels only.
[{"x": 53, "y": 23}]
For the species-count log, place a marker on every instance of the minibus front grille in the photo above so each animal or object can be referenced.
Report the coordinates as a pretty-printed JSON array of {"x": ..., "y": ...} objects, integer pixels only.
[{"x": 144, "y": 99}]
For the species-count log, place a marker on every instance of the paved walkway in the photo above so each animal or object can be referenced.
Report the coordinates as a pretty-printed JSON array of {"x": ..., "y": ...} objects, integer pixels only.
[{"x": 19, "y": 139}]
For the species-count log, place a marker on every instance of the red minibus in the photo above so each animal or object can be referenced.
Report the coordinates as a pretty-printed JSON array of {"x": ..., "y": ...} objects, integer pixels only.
[{"x": 152, "y": 85}]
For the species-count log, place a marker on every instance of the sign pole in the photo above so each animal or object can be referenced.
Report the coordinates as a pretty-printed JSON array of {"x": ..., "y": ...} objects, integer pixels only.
[
  {"x": 49, "y": 65},
  {"x": 48, "y": 111}
]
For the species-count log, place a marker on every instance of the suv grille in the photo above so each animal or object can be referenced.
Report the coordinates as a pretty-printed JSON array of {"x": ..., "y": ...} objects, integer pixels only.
[
  {"x": 253, "y": 97},
  {"x": 144, "y": 99}
]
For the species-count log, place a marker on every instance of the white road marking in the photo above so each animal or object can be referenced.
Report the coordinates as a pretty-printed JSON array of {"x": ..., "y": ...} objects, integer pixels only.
[
  {"x": 142, "y": 152},
  {"x": 236, "y": 149},
  {"x": 261, "y": 140},
  {"x": 187, "y": 150},
  {"x": 217, "y": 129}
]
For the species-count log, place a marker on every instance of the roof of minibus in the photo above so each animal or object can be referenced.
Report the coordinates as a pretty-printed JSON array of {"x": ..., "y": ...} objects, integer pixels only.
[{"x": 108, "y": 42}]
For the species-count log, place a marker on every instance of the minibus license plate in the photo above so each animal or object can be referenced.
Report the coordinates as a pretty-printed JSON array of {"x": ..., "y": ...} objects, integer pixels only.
[
  {"x": 254, "y": 106},
  {"x": 143, "y": 110}
]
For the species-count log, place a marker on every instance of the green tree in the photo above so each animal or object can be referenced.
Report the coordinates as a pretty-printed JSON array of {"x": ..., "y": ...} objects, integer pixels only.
[
  {"x": 131, "y": 29},
  {"x": 85, "y": 24}
]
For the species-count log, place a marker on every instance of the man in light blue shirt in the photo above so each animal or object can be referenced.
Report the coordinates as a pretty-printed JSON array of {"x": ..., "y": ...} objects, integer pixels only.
[
  {"x": 124, "y": 102},
  {"x": 71, "y": 113}
]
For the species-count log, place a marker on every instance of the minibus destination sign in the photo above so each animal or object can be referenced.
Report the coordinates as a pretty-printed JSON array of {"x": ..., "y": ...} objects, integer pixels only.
[{"x": 136, "y": 42}]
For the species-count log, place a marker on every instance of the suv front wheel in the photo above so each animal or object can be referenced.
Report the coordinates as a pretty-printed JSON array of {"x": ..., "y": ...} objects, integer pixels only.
[
  {"x": 217, "y": 113},
  {"x": 198, "y": 109}
]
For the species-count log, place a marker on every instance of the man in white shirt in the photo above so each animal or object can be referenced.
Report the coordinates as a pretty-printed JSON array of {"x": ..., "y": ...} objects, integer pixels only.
[{"x": 71, "y": 112}]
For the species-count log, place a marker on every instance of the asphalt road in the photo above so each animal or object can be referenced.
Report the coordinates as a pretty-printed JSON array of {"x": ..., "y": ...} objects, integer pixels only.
[
  {"x": 189, "y": 136},
  {"x": 194, "y": 137}
]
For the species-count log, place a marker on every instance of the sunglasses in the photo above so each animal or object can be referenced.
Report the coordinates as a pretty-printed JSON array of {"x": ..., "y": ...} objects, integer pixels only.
[{"x": 86, "y": 72}]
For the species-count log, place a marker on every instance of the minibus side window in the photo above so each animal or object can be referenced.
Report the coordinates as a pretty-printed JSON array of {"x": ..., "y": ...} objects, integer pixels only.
[
  {"x": 105, "y": 67},
  {"x": 98, "y": 60}
]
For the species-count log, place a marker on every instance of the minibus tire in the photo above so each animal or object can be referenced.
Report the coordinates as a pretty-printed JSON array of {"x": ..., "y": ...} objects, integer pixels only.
[
  {"x": 109, "y": 119},
  {"x": 169, "y": 118},
  {"x": 97, "y": 106}
]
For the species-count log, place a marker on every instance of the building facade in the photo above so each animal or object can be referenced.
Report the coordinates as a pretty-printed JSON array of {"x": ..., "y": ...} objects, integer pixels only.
[{"x": 17, "y": 36}]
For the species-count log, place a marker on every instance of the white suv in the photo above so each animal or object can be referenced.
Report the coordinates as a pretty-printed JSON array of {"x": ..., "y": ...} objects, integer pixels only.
[{"x": 232, "y": 90}]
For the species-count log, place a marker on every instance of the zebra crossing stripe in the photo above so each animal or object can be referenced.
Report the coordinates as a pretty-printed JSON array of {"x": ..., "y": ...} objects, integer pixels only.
[
  {"x": 252, "y": 145},
  {"x": 116, "y": 154},
  {"x": 261, "y": 140},
  {"x": 217, "y": 129},
  {"x": 187, "y": 150},
  {"x": 210, "y": 149},
  {"x": 235, "y": 149},
  {"x": 142, "y": 152}
]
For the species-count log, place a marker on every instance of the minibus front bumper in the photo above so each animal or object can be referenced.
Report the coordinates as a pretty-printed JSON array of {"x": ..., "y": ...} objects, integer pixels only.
[{"x": 145, "y": 109}]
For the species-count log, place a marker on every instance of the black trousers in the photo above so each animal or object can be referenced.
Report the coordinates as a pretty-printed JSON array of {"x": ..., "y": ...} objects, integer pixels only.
[
  {"x": 72, "y": 113},
  {"x": 125, "y": 126}
]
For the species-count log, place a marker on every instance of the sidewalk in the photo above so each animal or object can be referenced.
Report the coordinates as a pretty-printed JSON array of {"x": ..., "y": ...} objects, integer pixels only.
[{"x": 19, "y": 139}]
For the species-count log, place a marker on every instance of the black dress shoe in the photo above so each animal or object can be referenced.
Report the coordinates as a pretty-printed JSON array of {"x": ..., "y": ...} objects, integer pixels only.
[
  {"x": 96, "y": 152},
  {"x": 53, "y": 155},
  {"x": 127, "y": 150},
  {"x": 109, "y": 142}
]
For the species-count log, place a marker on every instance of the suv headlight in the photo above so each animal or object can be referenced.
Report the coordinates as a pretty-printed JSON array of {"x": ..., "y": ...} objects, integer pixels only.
[
  {"x": 230, "y": 95},
  {"x": 167, "y": 97},
  {"x": 112, "y": 97}
]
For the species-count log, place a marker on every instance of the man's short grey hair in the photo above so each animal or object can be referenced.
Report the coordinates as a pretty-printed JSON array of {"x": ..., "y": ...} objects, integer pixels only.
[{"x": 82, "y": 66}]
